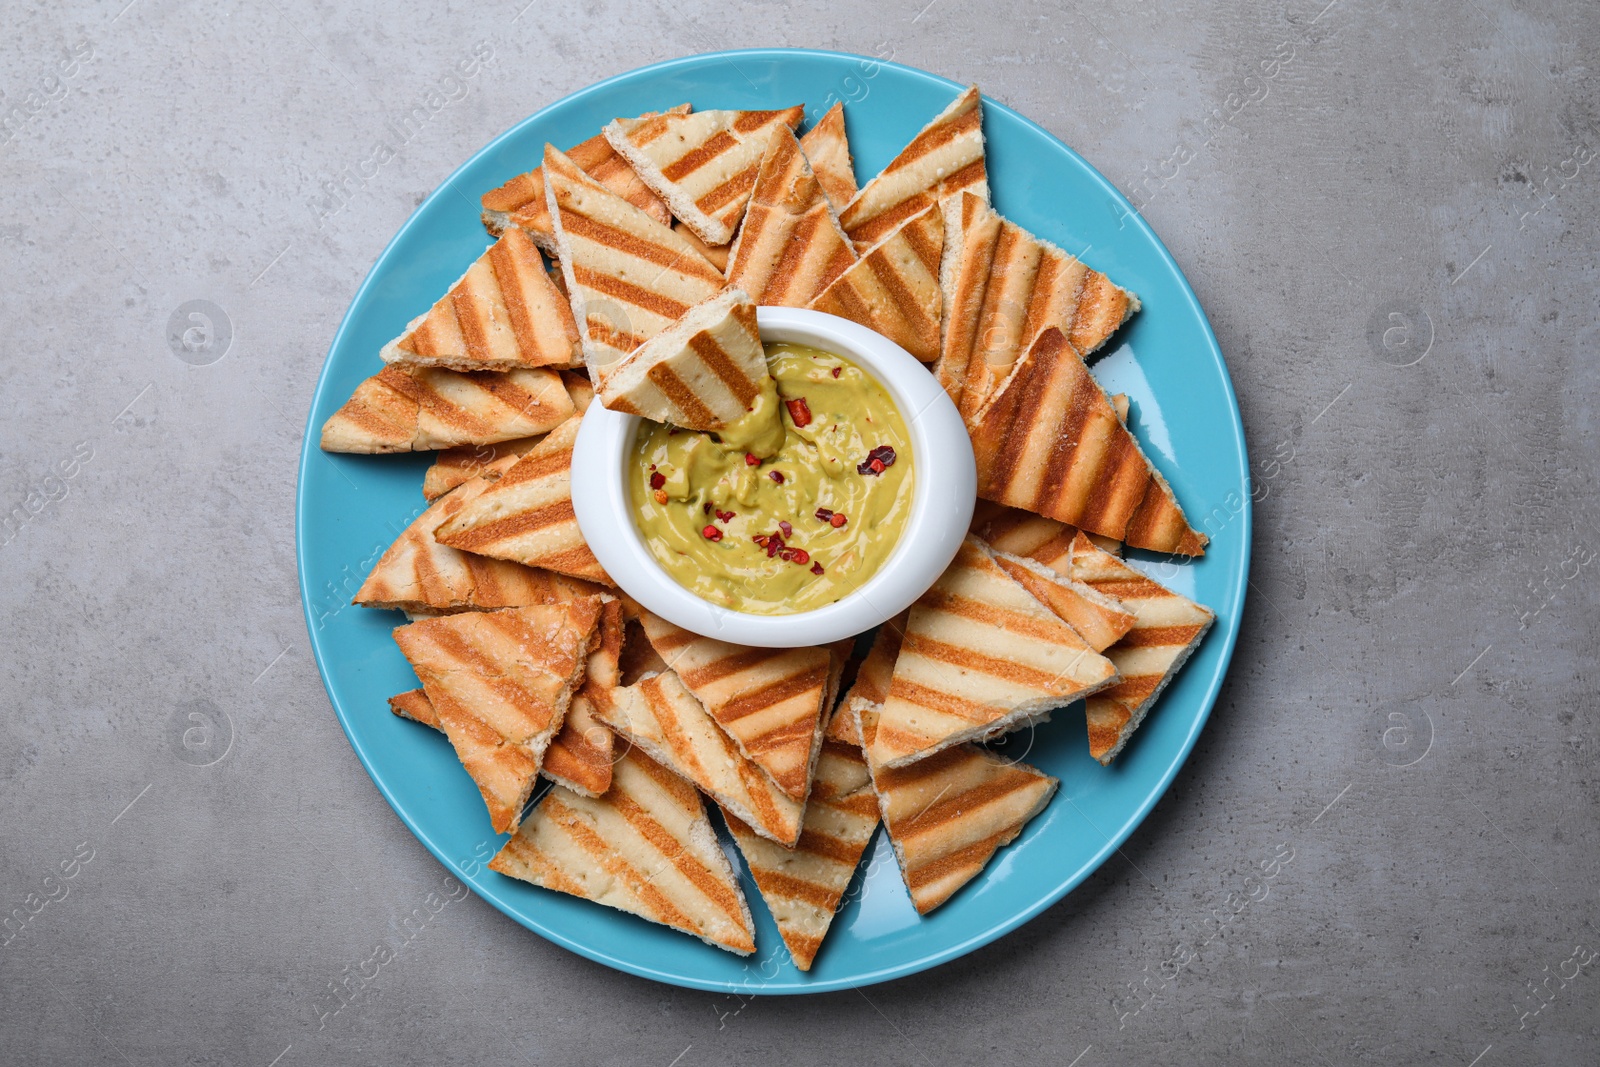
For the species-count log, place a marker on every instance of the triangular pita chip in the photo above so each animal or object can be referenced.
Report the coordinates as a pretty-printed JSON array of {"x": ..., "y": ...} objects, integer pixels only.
[
  {"x": 579, "y": 387},
  {"x": 1049, "y": 441},
  {"x": 1023, "y": 533},
  {"x": 426, "y": 408},
  {"x": 1098, "y": 619},
  {"x": 894, "y": 288},
  {"x": 790, "y": 247},
  {"x": 704, "y": 372},
  {"x": 500, "y": 683},
  {"x": 502, "y": 314},
  {"x": 828, "y": 150},
  {"x": 768, "y": 700},
  {"x": 947, "y": 815},
  {"x": 580, "y": 755},
  {"x": 804, "y": 885},
  {"x": 1003, "y": 287},
  {"x": 527, "y": 516},
  {"x": 980, "y": 657},
  {"x": 703, "y": 165},
  {"x": 659, "y": 715},
  {"x": 457, "y": 466},
  {"x": 1167, "y": 630},
  {"x": 520, "y": 201},
  {"x": 629, "y": 276},
  {"x": 646, "y": 847},
  {"x": 941, "y": 161},
  {"x": 419, "y": 574}
]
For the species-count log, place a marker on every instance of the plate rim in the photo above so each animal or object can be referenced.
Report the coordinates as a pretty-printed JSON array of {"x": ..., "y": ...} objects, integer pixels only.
[{"x": 979, "y": 938}]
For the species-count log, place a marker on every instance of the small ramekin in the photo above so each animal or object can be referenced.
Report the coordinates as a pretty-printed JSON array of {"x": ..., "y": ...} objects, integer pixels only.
[{"x": 944, "y": 491}]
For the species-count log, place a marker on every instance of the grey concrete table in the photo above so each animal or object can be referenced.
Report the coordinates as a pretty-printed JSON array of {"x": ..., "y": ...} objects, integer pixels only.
[{"x": 1388, "y": 212}]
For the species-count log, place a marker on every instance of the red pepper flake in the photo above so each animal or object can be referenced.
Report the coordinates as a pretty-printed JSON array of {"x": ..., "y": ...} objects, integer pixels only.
[
  {"x": 752, "y": 460},
  {"x": 657, "y": 480},
  {"x": 837, "y": 521},
  {"x": 816, "y": 568},
  {"x": 877, "y": 461},
  {"x": 799, "y": 555},
  {"x": 824, "y": 515},
  {"x": 660, "y": 495},
  {"x": 711, "y": 533},
  {"x": 836, "y": 371},
  {"x": 788, "y": 531},
  {"x": 776, "y": 476},
  {"x": 652, "y": 466},
  {"x": 799, "y": 411},
  {"x": 724, "y": 516},
  {"x": 706, "y": 507}
]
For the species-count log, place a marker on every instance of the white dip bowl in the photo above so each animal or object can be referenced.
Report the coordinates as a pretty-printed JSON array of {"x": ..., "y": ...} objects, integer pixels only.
[{"x": 944, "y": 491}]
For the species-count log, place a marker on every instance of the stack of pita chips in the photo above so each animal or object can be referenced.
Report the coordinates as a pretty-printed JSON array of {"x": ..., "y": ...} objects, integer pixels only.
[
  {"x": 499, "y": 683},
  {"x": 520, "y": 202},
  {"x": 666, "y": 232},
  {"x": 703, "y": 165}
]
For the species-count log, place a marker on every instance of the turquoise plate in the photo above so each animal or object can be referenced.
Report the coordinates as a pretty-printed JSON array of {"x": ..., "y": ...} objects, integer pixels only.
[{"x": 351, "y": 507}]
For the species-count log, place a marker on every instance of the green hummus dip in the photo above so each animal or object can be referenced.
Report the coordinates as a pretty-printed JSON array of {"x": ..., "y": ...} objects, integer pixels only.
[{"x": 793, "y": 508}]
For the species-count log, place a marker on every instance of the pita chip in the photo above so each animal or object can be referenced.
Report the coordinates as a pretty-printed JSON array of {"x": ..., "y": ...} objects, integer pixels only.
[
  {"x": 457, "y": 466},
  {"x": 645, "y": 847},
  {"x": 520, "y": 202},
  {"x": 1003, "y": 287},
  {"x": 1167, "y": 630},
  {"x": 704, "y": 372},
  {"x": 1049, "y": 441},
  {"x": 500, "y": 683},
  {"x": 418, "y": 574},
  {"x": 629, "y": 276},
  {"x": 790, "y": 247},
  {"x": 894, "y": 288},
  {"x": 717, "y": 255},
  {"x": 526, "y": 516},
  {"x": 949, "y": 814},
  {"x": 504, "y": 313},
  {"x": 418, "y": 410},
  {"x": 1098, "y": 619},
  {"x": 803, "y": 886},
  {"x": 704, "y": 164},
  {"x": 828, "y": 150},
  {"x": 872, "y": 680},
  {"x": 769, "y": 701},
  {"x": 659, "y": 715},
  {"x": 980, "y": 657},
  {"x": 941, "y": 161}
]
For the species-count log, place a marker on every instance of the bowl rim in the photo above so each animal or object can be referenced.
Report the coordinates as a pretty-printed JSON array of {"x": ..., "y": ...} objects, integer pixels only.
[{"x": 941, "y": 454}]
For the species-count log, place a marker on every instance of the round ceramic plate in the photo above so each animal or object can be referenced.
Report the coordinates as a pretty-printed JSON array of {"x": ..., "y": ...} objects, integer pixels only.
[{"x": 351, "y": 507}]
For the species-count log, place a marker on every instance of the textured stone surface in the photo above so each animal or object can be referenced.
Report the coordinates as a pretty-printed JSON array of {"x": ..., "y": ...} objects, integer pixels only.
[{"x": 1411, "y": 709}]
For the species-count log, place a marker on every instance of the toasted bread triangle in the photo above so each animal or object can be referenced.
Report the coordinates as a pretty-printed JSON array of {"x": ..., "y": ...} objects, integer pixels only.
[
  {"x": 418, "y": 574},
  {"x": 704, "y": 372},
  {"x": 426, "y": 408},
  {"x": 659, "y": 715},
  {"x": 941, "y": 161},
  {"x": 803, "y": 886},
  {"x": 949, "y": 814},
  {"x": 980, "y": 657},
  {"x": 527, "y": 516},
  {"x": 894, "y": 288},
  {"x": 703, "y": 164},
  {"x": 1098, "y": 619},
  {"x": 520, "y": 202},
  {"x": 828, "y": 150},
  {"x": 1002, "y": 287},
  {"x": 503, "y": 313},
  {"x": 455, "y": 467},
  {"x": 1166, "y": 631},
  {"x": 1049, "y": 441},
  {"x": 872, "y": 680},
  {"x": 790, "y": 247},
  {"x": 580, "y": 754},
  {"x": 768, "y": 700},
  {"x": 646, "y": 847},
  {"x": 629, "y": 276},
  {"x": 500, "y": 683}
]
